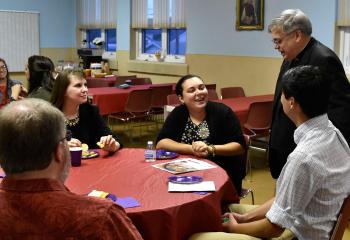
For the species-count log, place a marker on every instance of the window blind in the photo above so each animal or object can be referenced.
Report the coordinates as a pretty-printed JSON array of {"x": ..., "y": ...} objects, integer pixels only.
[{"x": 19, "y": 33}]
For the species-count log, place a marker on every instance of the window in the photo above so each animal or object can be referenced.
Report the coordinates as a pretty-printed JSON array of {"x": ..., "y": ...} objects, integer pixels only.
[
  {"x": 91, "y": 34},
  {"x": 160, "y": 29},
  {"x": 97, "y": 19},
  {"x": 169, "y": 43},
  {"x": 109, "y": 37},
  {"x": 151, "y": 41},
  {"x": 344, "y": 52},
  {"x": 111, "y": 40},
  {"x": 177, "y": 41}
]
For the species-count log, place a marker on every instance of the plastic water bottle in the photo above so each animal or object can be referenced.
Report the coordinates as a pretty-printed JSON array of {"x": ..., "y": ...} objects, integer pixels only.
[{"x": 150, "y": 152}]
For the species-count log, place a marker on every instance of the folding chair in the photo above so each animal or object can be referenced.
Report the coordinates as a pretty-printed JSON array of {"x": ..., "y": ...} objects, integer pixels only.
[
  {"x": 141, "y": 81},
  {"x": 212, "y": 95},
  {"x": 232, "y": 92},
  {"x": 122, "y": 79},
  {"x": 257, "y": 128},
  {"x": 211, "y": 86},
  {"x": 159, "y": 100},
  {"x": 342, "y": 221},
  {"x": 136, "y": 109},
  {"x": 173, "y": 99}
]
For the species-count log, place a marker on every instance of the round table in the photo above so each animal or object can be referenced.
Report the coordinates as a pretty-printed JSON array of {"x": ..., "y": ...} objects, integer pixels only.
[{"x": 162, "y": 215}]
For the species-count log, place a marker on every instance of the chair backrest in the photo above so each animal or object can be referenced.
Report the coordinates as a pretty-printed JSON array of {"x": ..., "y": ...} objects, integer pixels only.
[
  {"x": 211, "y": 86},
  {"x": 232, "y": 92},
  {"x": 212, "y": 94},
  {"x": 97, "y": 84},
  {"x": 159, "y": 95},
  {"x": 173, "y": 99},
  {"x": 122, "y": 79},
  {"x": 141, "y": 81},
  {"x": 139, "y": 101},
  {"x": 342, "y": 221},
  {"x": 259, "y": 116}
]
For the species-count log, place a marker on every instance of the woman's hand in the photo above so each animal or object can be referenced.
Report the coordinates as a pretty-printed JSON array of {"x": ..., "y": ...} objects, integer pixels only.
[
  {"x": 74, "y": 143},
  {"x": 109, "y": 144},
  {"x": 199, "y": 149},
  {"x": 18, "y": 91}
]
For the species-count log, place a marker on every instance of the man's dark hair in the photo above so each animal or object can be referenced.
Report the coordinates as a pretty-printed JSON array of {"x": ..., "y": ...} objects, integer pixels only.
[
  {"x": 310, "y": 87},
  {"x": 179, "y": 88}
]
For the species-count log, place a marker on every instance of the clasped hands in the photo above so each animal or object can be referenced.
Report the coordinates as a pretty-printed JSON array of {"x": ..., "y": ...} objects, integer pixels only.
[
  {"x": 200, "y": 149},
  {"x": 108, "y": 142}
]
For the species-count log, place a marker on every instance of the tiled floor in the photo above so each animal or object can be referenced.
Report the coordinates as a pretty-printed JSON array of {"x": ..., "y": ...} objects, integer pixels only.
[{"x": 261, "y": 181}]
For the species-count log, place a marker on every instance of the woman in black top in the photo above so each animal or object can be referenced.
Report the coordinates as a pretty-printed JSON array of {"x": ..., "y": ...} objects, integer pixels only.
[
  {"x": 39, "y": 72},
  {"x": 84, "y": 120},
  {"x": 204, "y": 129}
]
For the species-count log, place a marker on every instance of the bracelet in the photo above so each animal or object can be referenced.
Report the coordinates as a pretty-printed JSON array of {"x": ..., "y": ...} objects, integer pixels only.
[{"x": 211, "y": 150}]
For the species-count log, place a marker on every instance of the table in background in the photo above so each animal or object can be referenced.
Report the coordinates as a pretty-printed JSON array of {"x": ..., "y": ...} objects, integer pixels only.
[
  {"x": 96, "y": 82},
  {"x": 162, "y": 215},
  {"x": 112, "y": 99},
  {"x": 241, "y": 105}
]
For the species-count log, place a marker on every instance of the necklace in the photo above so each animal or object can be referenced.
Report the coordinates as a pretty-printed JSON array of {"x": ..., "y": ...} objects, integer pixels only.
[{"x": 72, "y": 122}]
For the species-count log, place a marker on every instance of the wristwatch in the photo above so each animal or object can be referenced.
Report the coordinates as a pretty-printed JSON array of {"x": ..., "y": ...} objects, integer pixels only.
[{"x": 211, "y": 150}]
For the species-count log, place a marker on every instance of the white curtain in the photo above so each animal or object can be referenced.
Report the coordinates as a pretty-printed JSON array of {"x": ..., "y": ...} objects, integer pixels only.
[
  {"x": 96, "y": 14},
  {"x": 177, "y": 14},
  {"x": 343, "y": 13},
  {"x": 160, "y": 14},
  {"x": 166, "y": 14},
  {"x": 139, "y": 14}
]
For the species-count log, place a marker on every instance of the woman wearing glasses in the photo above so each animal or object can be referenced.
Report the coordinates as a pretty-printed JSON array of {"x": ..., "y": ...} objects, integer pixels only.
[
  {"x": 69, "y": 94},
  {"x": 10, "y": 90}
]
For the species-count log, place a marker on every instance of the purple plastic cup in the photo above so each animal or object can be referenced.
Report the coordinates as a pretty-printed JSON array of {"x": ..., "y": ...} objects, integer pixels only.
[{"x": 75, "y": 155}]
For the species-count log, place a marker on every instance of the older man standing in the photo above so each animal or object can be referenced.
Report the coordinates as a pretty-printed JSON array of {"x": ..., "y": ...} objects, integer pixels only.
[
  {"x": 291, "y": 36},
  {"x": 34, "y": 203}
]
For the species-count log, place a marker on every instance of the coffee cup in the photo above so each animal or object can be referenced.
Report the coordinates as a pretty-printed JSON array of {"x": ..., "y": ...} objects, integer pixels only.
[{"x": 75, "y": 154}]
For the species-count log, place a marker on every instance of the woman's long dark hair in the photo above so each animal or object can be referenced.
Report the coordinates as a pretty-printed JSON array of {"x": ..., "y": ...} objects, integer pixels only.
[{"x": 40, "y": 73}]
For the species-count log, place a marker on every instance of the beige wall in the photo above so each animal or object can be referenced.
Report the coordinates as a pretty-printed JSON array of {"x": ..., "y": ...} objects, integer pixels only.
[{"x": 256, "y": 75}]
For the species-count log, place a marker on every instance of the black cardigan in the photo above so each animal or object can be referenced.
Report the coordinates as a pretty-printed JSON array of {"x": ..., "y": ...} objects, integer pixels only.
[
  {"x": 224, "y": 127},
  {"x": 91, "y": 126}
]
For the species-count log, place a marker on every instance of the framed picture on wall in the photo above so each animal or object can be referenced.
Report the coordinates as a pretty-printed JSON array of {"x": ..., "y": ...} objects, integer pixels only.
[{"x": 250, "y": 15}]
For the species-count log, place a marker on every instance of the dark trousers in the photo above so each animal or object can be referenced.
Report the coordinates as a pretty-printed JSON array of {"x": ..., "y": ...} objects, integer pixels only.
[{"x": 277, "y": 160}]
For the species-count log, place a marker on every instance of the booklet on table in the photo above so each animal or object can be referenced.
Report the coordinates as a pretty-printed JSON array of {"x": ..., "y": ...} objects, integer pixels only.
[{"x": 184, "y": 165}]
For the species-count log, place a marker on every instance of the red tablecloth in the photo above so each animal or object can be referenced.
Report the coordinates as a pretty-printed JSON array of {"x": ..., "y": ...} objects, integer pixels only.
[
  {"x": 241, "y": 105},
  {"x": 93, "y": 82},
  {"x": 162, "y": 215},
  {"x": 112, "y": 99}
]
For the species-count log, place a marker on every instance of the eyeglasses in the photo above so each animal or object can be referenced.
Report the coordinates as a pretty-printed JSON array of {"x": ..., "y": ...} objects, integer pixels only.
[
  {"x": 68, "y": 136},
  {"x": 3, "y": 67},
  {"x": 278, "y": 41}
]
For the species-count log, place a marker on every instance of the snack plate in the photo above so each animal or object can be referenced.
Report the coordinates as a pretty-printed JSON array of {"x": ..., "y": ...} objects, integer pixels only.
[
  {"x": 164, "y": 154},
  {"x": 185, "y": 179},
  {"x": 90, "y": 154}
]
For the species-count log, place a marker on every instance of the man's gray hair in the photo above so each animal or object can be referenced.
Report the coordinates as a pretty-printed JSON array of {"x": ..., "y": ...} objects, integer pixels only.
[
  {"x": 30, "y": 131},
  {"x": 291, "y": 20}
]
